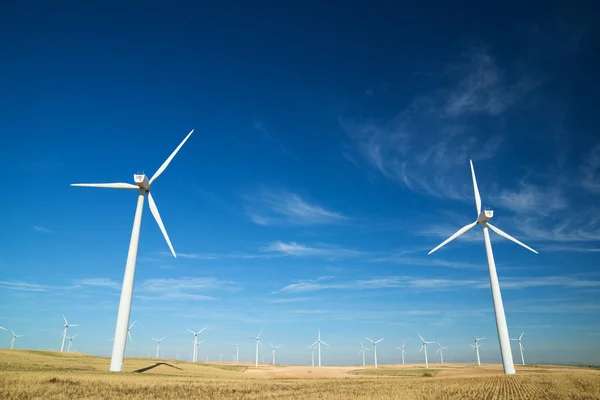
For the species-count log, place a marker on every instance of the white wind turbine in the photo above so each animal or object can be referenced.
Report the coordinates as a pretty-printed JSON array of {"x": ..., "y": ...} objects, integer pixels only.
[
  {"x": 257, "y": 338},
  {"x": 312, "y": 351},
  {"x": 318, "y": 343},
  {"x": 142, "y": 185},
  {"x": 521, "y": 347},
  {"x": 195, "y": 352},
  {"x": 64, "y": 339},
  {"x": 476, "y": 347},
  {"x": 14, "y": 336},
  {"x": 274, "y": 348},
  {"x": 374, "y": 348},
  {"x": 424, "y": 346},
  {"x": 158, "y": 344},
  {"x": 483, "y": 218},
  {"x": 440, "y": 350},
  {"x": 71, "y": 341},
  {"x": 362, "y": 351},
  {"x": 402, "y": 351},
  {"x": 129, "y": 330},
  {"x": 237, "y": 353}
]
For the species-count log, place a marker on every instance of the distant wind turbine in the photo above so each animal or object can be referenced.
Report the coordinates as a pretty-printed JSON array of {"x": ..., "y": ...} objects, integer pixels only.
[
  {"x": 14, "y": 336},
  {"x": 195, "y": 353},
  {"x": 274, "y": 348},
  {"x": 375, "y": 348},
  {"x": 312, "y": 352},
  {"x": 71, "y": 341},
  {"x": 129, "y": 330},
  {"x": 424, "y": 346},
  {"x": 521, "y": 347},
  {"x": 362, "y": 351},
  {"x": 158, "y": 344},
  {"x": 318, "y": 343},
  {"x": 476, "y": 347},
  {"x": 237, "y": 353},
  {"x": 64, "y": 339},
  {"x": 257, "y": 338},
  {"x": 142, "y": 185},
  {"x": 483, "y": 218},
  {"x": 440, "y": 350},
  {"x": 402, "y": 351}
]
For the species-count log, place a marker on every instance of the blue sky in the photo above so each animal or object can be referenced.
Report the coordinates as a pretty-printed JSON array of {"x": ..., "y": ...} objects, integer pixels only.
[{"x": 330, "y": 154}]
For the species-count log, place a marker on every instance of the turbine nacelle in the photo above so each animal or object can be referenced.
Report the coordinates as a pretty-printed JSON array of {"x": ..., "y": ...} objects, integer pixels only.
[
  {"x": 142, "y": 181},
  {"x": 485, "y": 216}
]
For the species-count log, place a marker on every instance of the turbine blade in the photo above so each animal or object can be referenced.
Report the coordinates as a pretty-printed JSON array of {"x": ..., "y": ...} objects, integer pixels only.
[
  {"x": 134, "y": 322},
  {"x": 522, "y": 347},
  {"x": 168, "y": 160},
  {"x": 66, "y": 323},
  {"x": 191, "y": 331},
  {"x": 520, "y": 337},
  {"x": 75, "y": 335},
  {"x": 476, "y": 190},
  {"x": 129, "y": 336},
  {"x": 4, "y": 329},
  {"x": 261, "y": 331},
  {"x": 325, "y": 344},
  {"x": 421, "y": 337},
  {"x": 379, "y": 340},
  {"x": 421, "y": 349},
  {"x": 201, "y": 330},
  {"x": 261, "y": 346},
  {"x": 118, "y": 185},
  {"x": 159, "y": 222},
  {"x": 507, "y": 236},
  {"x": 70, "y": 326},
  {"x": 370, "y": 340},
  {"x": 451, "y": 238},
  {"x": 314, "y": 343}
]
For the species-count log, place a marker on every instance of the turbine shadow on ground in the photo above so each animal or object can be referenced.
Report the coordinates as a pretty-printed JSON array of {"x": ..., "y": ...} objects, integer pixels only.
[{"x": 139, "y": 371}]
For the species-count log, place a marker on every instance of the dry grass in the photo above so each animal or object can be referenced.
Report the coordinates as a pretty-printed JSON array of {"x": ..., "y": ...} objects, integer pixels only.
[{"x": 45, "y": 375}]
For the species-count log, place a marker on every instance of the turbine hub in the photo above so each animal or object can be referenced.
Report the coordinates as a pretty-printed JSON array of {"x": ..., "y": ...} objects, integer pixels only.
[
  {"x": 141, "y": 181},
  {"x": 485, "y": 216}
]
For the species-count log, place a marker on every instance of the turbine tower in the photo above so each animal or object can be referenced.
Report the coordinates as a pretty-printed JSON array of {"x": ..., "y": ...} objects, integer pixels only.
[
  {"x": 158, "y": 344},
  {"x": 374, "y": 348},
  {"x": 257, "y": 338},
  {"x": 312, "y": 351},
  {"x": 483, "y": 218},
  {"x": 476, "y": 347},
  {"x": 64, "y": 339},
  {"x": 195, "y": 352},
  {"x": 318, "y": 344},
  {"x": 237, "y": 353},
  {"x": 142, "y": 185},
  {"x": 362, "y": 351},
  {"x": 424, "y": 346},
  {"x": 402, "y": 351},
  {"x": 71, "y": 341},
  {"x": 14, "y": 336},
  {"x": 440, "y": 350},
  {"x": 521, "y": 347},
  {"x": 274, "y": 348}
]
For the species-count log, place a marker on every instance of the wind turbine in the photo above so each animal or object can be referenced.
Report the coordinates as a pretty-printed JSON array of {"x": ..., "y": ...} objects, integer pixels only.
[
  {"x": 312, "y": 351},
  {"x": 374, "y": 348},
  {"x": 158, "y": 345},
  {"x": 257, "y": 338},
  {"x": 521, "y": 347},
  {"x": 402, "y": 351},
  {"x": 318, "y": 343},
  {"x": 129, "y": 330},
  {"x": 273, "y": 348},
  {"x": 440, "y": 350},
  {"x": 362, "y": 351},
  {"x": 67, "y": 325},
  {"x": 71, "y": 341},
  {"x": 14, "y": 336},
  {"x": 483, "y": 218},
  {"x": 195, "y": 353},
  {"x": 237, "y": 353},
  {"x": 424, "y": 346},
  {"x": 476, "y": 347},
  {"x": 142, "y": 185}
]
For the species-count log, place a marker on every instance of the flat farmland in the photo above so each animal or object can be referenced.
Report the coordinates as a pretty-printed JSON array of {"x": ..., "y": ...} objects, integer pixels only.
[{"x": 52, "y": 375}]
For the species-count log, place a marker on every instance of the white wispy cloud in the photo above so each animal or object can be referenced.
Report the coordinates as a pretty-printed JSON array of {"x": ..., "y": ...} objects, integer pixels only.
[
  {"x": 533, "y": 198},
  {"x": 590, "y": 170},
  {"x": 20, "y": 286},
  {"x": 98, "y": 282},
  {"x": 570, "y": 249},
  {"x": 426, "y": 145},
  {"x": 184, "y": 288},
  {"x": 580, "y": 227},
  {"x": 272, "y": 207},
  {"x": 42, "y": 229},
  {"x": 300, "y": 250}
]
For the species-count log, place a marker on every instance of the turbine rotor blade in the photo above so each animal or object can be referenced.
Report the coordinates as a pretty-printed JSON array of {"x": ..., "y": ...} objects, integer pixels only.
[
  {"x": 370, "y": 340},
  {"x": 421, "y": 337},
  {"x": 70, "y": 326},
  {"x": 129, "y": 336},
  {"x": 476, "y": 190},
  {"x": 159, "y": 222},
  {"x": 261, "y": 331},
  {"x": 191, "y": 331},
  {"x": 507, "y": 236},
  {"x": 66, "y": 323},
  {"x": 325, "y": 344},
  {"x": 457, "y": 234},
  {"x": 117, "y": 185},
  {"x": 201, "y": 330},
  {"x": 520, "y": 337},
  {"x": 134, "y": 322},
  {"x": 168, "y": 160}
]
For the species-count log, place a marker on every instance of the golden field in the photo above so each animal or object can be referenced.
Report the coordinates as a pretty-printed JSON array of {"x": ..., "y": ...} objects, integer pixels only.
[{"x": 51, "y": 375}]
